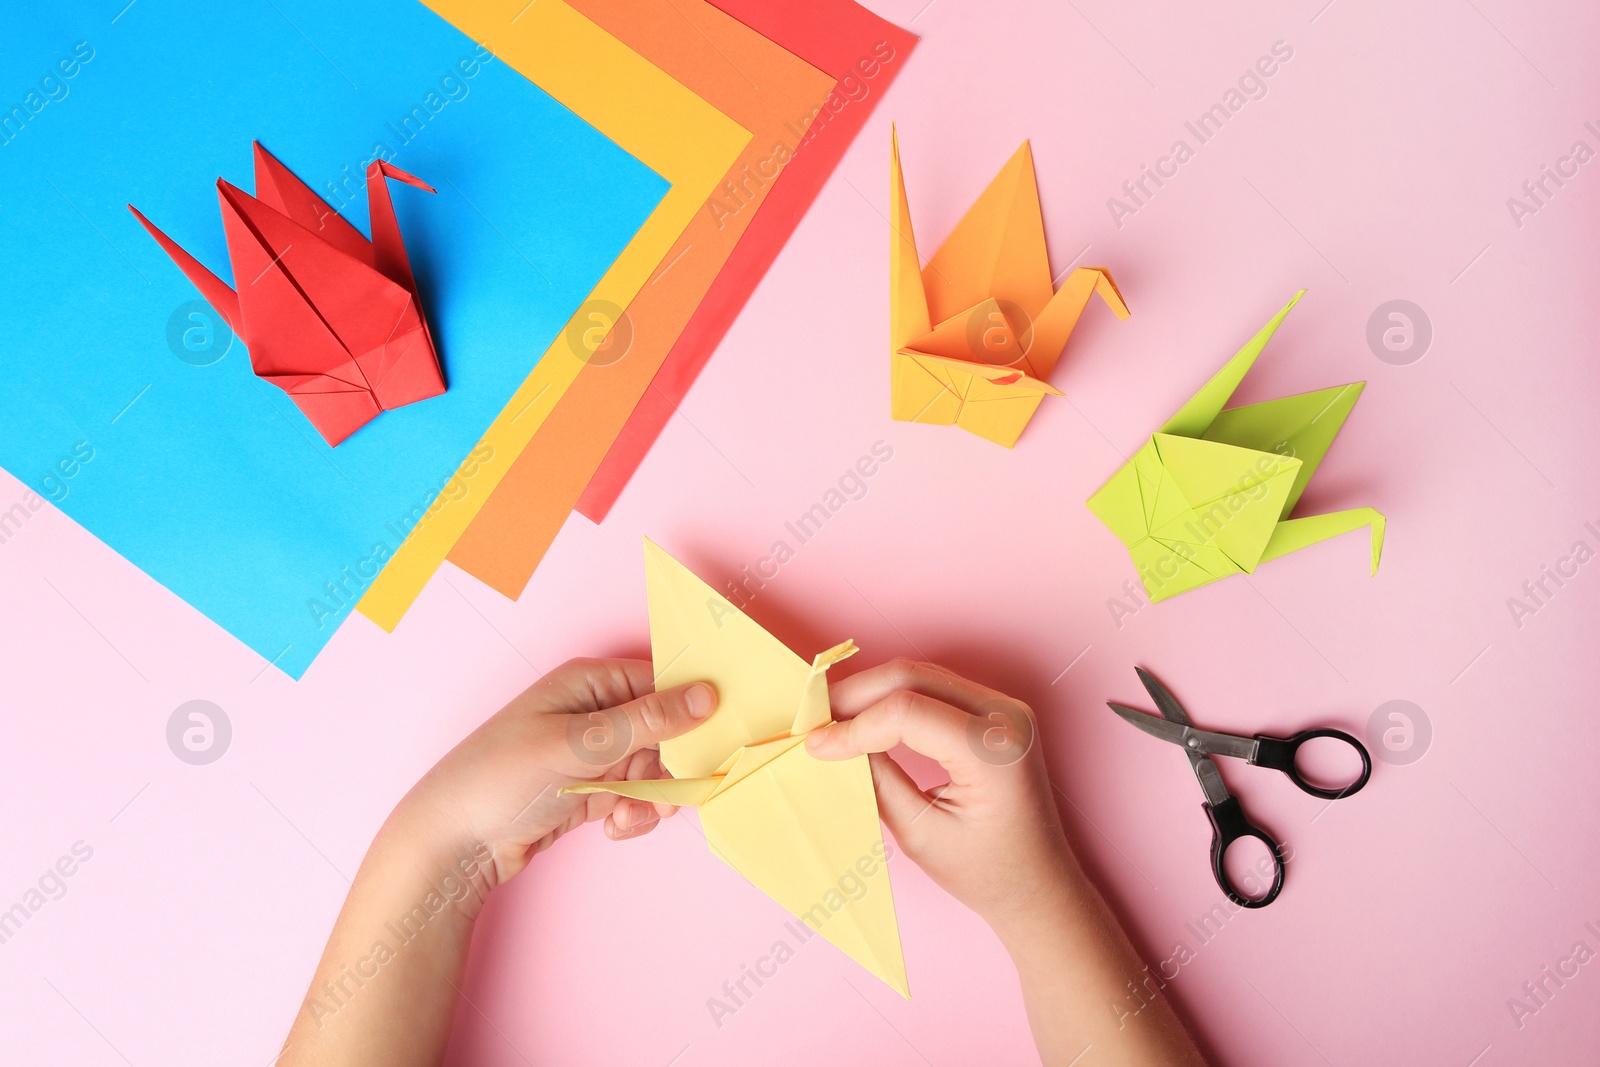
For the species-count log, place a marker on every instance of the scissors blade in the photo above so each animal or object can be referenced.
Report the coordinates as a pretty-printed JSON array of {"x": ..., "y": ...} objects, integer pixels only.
[
  {"x": 1166, "y": 703},
  {"x": 1154, "y": 725},
  {"x": 1205, "y": 768},
  {"x": 1191, "y": 739},
  {"x": 1210, "y": 776}
]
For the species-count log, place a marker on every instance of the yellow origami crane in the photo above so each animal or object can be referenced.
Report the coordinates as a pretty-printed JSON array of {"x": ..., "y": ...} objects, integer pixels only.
[
  {"x": 975, "y": 334},
  {"x": 804, "y": 831},
  {"x": 1207, "y": 494}
]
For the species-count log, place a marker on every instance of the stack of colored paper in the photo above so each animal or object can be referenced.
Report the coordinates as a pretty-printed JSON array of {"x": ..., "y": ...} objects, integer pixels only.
[{"x": 614, "y": 177}]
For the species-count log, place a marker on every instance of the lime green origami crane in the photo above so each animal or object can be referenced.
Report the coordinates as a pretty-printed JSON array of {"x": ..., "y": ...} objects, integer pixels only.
[{"x": 1207, "y": 495}]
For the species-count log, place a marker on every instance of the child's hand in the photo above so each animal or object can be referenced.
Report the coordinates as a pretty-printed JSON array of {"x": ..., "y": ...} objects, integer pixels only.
[
  {"x": 991, "y": 837},
  {"x": 586, "y": 720}
]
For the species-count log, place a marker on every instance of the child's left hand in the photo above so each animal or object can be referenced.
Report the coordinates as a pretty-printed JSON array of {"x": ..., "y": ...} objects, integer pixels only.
[{"x": 586, "y": 720}]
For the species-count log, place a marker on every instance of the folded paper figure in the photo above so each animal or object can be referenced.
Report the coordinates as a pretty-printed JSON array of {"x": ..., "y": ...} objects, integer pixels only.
[
  {"x": 976, "y": 332},
  {"x": 802, "y": 830},
  {"x": 1207, "y": 495},
  {"x": 331, "y": 318}
]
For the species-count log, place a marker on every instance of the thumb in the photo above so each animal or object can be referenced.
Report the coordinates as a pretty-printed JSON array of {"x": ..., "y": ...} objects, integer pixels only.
[{"x": 647, "y": 721}]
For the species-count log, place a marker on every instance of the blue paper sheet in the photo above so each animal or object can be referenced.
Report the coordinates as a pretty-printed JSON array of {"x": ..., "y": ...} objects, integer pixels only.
[{"x": 200, "y": 474}]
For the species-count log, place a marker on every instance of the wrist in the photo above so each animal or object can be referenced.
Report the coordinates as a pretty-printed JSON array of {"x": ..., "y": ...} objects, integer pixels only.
[
  {"x": 422, "y": 852},
  {"x": 1045, "y": 901}
]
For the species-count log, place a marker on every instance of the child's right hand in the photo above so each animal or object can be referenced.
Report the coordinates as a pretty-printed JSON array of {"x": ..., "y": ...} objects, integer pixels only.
[{"x": 992, "y": 837}]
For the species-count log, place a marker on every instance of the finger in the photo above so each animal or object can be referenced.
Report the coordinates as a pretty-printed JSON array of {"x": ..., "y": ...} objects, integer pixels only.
[
  {"x": 657, "y": 716},
  {"x": 617, "y": 832},
  {"x": 903, "y": 717},
  {"x": 853, "y": 695},
  {"x": 637, "y": 675},
  {"x": 603, "y": 683},
  {"x": 640, "y": 766},
  {"x": 900, "y": 802},
  {"x": 599, "y": 806},
  {"x": 604, "y": 742},
  {"x": 645, "y": 766},
  {"x": 584, "y": 685},
  {"x": 629, "y": 813}
]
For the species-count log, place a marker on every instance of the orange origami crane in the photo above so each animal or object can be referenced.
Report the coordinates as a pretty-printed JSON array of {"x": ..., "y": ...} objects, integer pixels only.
[
  {"x": 331, "y": 318},
  {"x": 976, "y": 333}
]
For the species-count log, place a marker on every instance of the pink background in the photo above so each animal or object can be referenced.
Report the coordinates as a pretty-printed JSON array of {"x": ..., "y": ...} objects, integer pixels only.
[{"x": 1377, "y": 167}]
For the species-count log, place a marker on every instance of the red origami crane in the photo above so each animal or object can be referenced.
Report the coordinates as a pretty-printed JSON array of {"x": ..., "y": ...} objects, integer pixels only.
[{"x": 331, "y": 318}]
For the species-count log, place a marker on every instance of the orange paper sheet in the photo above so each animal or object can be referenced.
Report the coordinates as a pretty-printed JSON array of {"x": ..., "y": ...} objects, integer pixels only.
[{"x": 763, "y": 88}]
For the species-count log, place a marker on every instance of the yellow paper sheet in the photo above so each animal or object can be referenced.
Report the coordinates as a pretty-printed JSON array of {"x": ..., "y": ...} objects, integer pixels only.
[
  {"x": 802, "y": 830},
  {"x": 651, "y": 116}
]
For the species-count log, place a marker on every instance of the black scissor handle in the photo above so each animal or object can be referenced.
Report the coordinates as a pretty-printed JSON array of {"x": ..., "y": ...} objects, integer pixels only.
[
  {"x": 1279, "y": 752},
  {"x": 1228, "y": 825}
]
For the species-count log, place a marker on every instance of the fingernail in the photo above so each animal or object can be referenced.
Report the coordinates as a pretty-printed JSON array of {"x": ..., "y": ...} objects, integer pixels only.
[
  {"x": 702, "y": 700},
  {"x": 814, "y": 739}
]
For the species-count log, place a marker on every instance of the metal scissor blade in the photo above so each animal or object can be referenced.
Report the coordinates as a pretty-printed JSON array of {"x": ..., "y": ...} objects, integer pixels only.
[
  {"x": 1154, "y": 725},
  {"x": 1191, "y": 739},
  {"x": 1166, "y": 703},
  {"x": 1210, "y": 776},
  {"x": 1204, "y": 767}
]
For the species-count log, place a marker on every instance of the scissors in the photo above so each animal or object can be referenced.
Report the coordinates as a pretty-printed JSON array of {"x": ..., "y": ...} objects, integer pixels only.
[{"x": 1228, "y": 822}]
